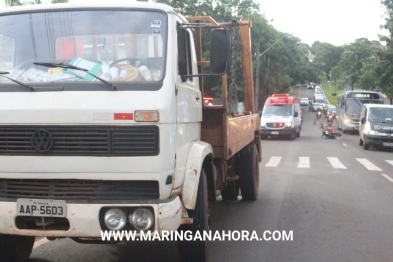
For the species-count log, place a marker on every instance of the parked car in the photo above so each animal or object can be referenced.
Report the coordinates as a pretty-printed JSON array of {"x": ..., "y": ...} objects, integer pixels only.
[{"x": 304, "y": 101}]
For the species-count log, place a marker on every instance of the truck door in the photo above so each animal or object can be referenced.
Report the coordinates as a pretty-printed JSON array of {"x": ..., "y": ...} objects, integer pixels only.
[{"x": 189, "y": 100}]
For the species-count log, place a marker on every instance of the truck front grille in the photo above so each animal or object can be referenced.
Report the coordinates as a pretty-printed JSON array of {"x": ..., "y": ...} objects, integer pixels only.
[
  {"x": 81, "y": 190},
  {"x": 80, "y": 140}
]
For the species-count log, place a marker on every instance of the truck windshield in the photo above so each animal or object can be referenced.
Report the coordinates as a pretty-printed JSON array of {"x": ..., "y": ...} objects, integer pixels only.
[
  {"x": 352, "y": 108},
  {"x": 285, "y": 110},
  {"x": 380, "y": 114},
  {"x": 122, "y": 46}
]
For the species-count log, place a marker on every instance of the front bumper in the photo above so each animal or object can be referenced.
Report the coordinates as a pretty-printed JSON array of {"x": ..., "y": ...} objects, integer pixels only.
[
  {"x": 376, "y": 140},
  {"x": 276, "y": 132},
  {"x": 84, "y": 218}
]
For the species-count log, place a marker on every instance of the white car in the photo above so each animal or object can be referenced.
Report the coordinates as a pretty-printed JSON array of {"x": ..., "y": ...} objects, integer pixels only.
[{"x": 304, "y": 101}]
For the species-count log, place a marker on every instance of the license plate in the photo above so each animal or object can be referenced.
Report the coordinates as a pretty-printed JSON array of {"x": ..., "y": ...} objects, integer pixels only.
[
  {"x": 41, "y": 207},
  {"x": 275, "y": 132},
  {"x": 387, "y": 144}
]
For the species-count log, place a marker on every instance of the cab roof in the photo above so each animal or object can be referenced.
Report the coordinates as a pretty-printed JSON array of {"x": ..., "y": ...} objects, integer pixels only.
[{"x": 66, "y": 6}]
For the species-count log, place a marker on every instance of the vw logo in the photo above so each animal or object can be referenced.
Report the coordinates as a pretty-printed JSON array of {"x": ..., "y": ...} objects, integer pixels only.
[{"x": 42, "y": 140}]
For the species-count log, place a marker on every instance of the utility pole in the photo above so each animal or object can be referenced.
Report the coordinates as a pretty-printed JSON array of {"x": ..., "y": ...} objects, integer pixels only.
[
  {"x": 257, "y": 80},
  {"x": 258, "y": 55}
]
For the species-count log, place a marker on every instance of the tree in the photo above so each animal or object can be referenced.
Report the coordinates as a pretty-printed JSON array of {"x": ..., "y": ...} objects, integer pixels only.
[
  {"x": 355, "y": 56},
  {"x": 385, "y": 65},
  {"x": 327, "y": 56},
  {"x": 31, "y": 2},
  {"x": 12, "y": 2}
]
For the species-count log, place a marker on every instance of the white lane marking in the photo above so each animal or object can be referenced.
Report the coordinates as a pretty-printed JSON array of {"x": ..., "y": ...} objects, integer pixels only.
[
  {"x": 336, "y": 163},
  {"x": 273, "y": 161},
  {"x": 367, "y": 164},
  {"x": 390, "y": 162},
  {"x": 344, "y": 144},
  {"x": 40, "y": 242},
  {"x": 387, "y": 177},
  {"x": 304, "y": 162}
]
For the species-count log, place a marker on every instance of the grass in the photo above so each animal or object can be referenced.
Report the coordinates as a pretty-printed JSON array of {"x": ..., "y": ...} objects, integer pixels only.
[{"x": 330, "y": 91}]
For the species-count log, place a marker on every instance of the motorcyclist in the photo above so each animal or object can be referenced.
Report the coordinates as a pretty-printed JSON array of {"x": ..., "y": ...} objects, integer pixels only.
[
  {"x": 330, "y": 118},
  {"x": 319, "y": 113}
]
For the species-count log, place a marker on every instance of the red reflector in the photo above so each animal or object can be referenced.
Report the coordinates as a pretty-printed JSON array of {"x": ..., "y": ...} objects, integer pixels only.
[{"x": 123, "y": 116}]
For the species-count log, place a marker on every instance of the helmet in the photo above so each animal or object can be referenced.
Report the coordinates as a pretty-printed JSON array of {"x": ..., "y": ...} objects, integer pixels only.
[{"x": 330, "y": 129}]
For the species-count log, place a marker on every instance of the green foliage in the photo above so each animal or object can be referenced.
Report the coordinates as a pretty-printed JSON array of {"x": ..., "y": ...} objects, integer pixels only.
[
  {"x": 385, "y": 57},
  {"x": 283, "y": 65},
  {"x": 31, "y": 2},
  {"x": 12, "y": 2},
  {"x": 326, "y": 56},
  {"x": 354, "y": 57}
]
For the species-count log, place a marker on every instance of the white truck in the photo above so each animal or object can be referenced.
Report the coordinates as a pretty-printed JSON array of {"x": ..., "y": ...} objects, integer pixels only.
[{"x": 103, "y": 128}]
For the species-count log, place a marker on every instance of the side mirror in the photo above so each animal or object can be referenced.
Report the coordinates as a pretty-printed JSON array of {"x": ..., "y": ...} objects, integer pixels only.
[
  {"x": 296, "y": 114},
  {"x": 363, "y": 120},
  {"x": 220, "y": 51}
]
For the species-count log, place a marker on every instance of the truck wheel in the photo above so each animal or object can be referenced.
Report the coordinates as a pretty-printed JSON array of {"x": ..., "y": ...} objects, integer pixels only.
[
  {"x": 248, "y": 170},
  {"x": 365, "y": 145},
  {"x": 231, "y": 191},
  {"x": 197, "y": 251},
  {"x": 292, "y": 135},
  {"x": 360, "y": 142},
  {"x": 15, "y": 248}
]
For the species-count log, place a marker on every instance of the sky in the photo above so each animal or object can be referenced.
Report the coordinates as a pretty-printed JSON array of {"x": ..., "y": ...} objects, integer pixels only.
[{"x": 337, "y": 22}]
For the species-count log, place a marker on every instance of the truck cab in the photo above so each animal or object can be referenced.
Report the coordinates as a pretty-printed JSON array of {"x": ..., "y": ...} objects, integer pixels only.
[
  {"x": 104, "y": 127},
  {"x": 376, "y": 126},
  {"x": 281, "y": 116}
]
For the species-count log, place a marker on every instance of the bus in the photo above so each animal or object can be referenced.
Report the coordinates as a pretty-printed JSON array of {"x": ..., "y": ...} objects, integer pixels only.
[{"x": 349, "y": 105}]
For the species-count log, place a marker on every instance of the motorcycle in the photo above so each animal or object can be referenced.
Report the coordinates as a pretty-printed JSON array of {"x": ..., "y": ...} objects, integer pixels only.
[
  {"x": 319, "y": 114},
  {"x": 328, "y": 132}
]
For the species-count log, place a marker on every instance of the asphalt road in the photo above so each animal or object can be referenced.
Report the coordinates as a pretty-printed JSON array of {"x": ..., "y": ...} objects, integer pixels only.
[{"x": 334, "y": 196}]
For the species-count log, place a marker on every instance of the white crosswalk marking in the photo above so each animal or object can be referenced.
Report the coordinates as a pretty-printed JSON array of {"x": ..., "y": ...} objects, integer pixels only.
[
  {"x": 336, "y": 163},
  {"x": 274, "y": 161},
  {"x": 367, "y": 164},
  {"x": 304, "y": 162}
]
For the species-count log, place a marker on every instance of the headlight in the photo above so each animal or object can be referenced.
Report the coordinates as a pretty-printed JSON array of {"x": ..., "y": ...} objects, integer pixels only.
[
  {"x": 115, "y": 219},
  {"x": 288, "y": 124},
  {"x": 141, "y": 219},
  {"x": 347, "y": 120},
  {"x": 263, "y": 124},
  {"x": 373, "y": 132}
]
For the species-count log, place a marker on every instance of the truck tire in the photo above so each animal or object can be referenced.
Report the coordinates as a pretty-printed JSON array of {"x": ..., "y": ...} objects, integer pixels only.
[
  {"x": 197, "y": 251},
  {"x": 15, "y": 248},
  {"x": 231, "y": 191},
  {"x": 292, "y": 135},
  {"x": 365, "y": 145},
  {"x": 248, "y": 170}
]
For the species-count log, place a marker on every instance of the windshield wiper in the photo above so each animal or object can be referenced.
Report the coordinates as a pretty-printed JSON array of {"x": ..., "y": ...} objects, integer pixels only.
[
  {"x": 358, "y": 102},
  {"x": 68, "y": 66},
  {"x": 15, "y": 81}
]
